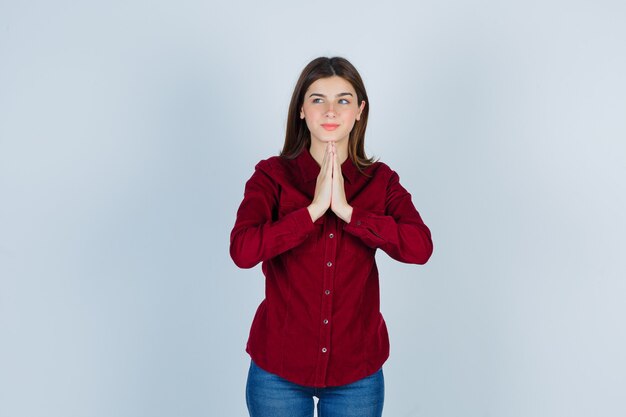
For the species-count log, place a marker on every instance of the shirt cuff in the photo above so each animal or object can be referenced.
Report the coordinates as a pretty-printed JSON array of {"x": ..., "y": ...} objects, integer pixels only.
[
  {"x": 302, "y": 221},
  {"x": 358, "y": 219},
  {"x": 364, "y": 226}
]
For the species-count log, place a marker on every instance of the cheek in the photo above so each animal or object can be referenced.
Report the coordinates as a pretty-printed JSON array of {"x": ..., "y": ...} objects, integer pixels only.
[
  {"x": 351, "y": 115},
  {"x": 311, "y": 119},
  {"x": 311, "y": 112}
]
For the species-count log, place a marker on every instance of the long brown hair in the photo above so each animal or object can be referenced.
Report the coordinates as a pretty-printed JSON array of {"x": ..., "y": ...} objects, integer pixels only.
[{"x": 297, "y": 134}]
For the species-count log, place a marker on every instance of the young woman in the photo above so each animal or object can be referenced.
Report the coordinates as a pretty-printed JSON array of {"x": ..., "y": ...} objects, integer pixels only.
[{"x": 315, "y": 216}]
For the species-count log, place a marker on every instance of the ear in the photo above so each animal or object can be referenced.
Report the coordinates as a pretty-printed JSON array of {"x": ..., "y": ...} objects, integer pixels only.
[
  {"x": 361, "y": 107},
  {"x": 302, "y": 112}
]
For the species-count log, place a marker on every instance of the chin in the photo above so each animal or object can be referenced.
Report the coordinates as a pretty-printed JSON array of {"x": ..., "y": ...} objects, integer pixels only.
[
  {"x": 324, "y": 139},
  {"x": 329, "y": 138},
  {"x": 333, "y": 138}
]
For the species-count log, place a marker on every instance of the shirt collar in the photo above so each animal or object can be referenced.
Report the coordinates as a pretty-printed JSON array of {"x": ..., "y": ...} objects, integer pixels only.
[{"x": 309, "y": 169}]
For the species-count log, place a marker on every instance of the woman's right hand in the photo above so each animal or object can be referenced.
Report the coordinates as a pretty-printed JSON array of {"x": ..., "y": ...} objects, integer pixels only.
[{"x": 323, "y": 186}]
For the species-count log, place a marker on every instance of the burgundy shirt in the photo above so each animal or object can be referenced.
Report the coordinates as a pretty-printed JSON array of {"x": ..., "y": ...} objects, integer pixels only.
[{"x": 320, "y": 323}]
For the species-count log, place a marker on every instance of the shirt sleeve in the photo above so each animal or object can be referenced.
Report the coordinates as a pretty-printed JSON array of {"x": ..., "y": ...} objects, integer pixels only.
[
  {"x": 400, "y": 231},
  {"x": 257, "y": 236}
]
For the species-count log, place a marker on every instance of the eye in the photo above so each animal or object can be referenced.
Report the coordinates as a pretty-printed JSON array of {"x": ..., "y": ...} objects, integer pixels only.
[
  {"x": 344, "y": 101},
  {"x": 317, "y": 100}
]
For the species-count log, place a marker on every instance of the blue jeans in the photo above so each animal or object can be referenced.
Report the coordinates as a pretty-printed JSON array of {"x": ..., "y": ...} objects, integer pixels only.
[{"x": 268, "y": 395}]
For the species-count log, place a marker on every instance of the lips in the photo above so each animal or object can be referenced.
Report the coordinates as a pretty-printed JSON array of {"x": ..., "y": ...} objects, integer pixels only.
[{"x": 330, "y": 126}]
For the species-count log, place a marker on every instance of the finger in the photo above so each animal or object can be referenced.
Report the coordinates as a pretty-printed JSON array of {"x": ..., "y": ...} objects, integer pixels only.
[
  {"x": 334, "y": 164},
  {"x": 325, "y": 160},
  {"x": 329, "y": 159}
]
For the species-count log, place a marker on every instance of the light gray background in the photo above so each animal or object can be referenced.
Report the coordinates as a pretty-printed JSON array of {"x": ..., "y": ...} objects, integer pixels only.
[{"x": 128, "y": 129}]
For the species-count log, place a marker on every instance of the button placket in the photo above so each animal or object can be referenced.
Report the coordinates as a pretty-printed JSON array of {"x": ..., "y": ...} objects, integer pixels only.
[{"x": 330, "y": 251}]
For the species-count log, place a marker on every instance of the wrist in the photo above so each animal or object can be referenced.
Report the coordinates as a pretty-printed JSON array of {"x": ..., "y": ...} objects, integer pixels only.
[
  {"x": 345, "y": 214},
  {"x": 314, "y": 212}
]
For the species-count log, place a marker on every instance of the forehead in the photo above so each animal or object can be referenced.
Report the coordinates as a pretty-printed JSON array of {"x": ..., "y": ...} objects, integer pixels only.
[{"x": 331, "y": 86}]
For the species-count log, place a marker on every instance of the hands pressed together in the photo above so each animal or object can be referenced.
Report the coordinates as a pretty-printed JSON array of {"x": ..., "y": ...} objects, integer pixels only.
[{"x": 329, "y": 189}]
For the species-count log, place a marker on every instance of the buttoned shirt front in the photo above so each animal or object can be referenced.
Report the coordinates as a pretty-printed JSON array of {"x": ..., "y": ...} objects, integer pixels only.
[{"x": 320, "y": 322}]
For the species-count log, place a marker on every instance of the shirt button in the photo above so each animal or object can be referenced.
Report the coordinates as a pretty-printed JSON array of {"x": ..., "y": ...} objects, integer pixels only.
[
  {"x": 327, "y": 292},
  {"x": 324, "y": 350},
  {"x": 329, "y": 264},
  {"x": 331, "y": 235},
  {"x": 358, "y": 222},
  {"x": 325, "y": 321}
]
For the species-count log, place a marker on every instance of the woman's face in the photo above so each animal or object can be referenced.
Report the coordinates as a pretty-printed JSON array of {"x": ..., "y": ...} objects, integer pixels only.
[{"x": 331, "y": 108}]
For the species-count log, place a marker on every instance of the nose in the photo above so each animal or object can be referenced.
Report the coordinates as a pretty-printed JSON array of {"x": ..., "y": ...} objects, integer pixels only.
[{"x": 330, "y": 111}]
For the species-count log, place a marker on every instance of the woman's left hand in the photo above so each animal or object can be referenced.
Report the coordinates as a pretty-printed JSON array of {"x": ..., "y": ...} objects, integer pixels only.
[{"x": 338, "y": 203}]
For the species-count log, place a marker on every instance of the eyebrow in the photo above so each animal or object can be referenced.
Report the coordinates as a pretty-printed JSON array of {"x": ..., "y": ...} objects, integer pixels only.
[{"x": 338, "y": 95}]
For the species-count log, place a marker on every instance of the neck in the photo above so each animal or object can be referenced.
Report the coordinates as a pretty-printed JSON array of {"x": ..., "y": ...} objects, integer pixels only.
[{"x": 318, "y": 148}]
